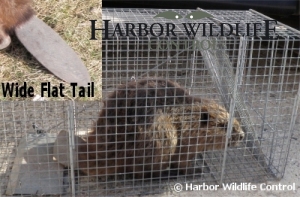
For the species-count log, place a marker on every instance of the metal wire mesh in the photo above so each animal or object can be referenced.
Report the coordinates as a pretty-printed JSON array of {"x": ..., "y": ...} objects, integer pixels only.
[{"x": 255, "y": 81}]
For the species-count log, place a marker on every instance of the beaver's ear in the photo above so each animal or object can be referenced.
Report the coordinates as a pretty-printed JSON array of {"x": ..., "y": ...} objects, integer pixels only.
[{"x": 204, "y": 114}]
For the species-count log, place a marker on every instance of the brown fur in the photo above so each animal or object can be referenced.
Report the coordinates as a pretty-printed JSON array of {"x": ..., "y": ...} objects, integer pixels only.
[
  {"x": 199, "y": 133},
  {"x": 149, "y": 125},
  {"x": 12, "y": 14}
]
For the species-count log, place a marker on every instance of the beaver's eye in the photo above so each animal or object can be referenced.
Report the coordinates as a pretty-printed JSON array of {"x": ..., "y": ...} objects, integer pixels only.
[
  {"x": 204, "y": 116},
  {"x": 169, "y": 15},
  {"x": 241, "y": 137},
  {"x": 223, "y": 125}
]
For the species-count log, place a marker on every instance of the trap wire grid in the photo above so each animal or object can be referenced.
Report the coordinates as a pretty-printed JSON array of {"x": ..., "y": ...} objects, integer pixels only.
[
  {"x": 45, "y": 115},
  {"x": 225, "y": 74}
]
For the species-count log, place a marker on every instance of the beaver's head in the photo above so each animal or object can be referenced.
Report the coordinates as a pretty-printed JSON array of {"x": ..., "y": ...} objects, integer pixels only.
[{"x": 215, "y": 120}]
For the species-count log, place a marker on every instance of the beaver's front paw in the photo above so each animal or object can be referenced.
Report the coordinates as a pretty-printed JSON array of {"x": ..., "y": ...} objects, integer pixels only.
[{"x": 4, "y": 39}]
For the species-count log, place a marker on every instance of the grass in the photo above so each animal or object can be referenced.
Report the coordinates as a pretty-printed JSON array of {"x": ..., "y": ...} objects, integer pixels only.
[{"x": 70, "y": 19}]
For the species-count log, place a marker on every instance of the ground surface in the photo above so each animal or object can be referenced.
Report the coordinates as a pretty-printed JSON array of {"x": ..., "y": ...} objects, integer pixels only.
[{"x": 71, "y": 22}]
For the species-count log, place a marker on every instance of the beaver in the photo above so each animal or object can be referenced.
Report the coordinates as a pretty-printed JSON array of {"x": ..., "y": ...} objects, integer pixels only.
[
  {"x": 12, "y": 14},
  {"x": 149, "y": 125}
]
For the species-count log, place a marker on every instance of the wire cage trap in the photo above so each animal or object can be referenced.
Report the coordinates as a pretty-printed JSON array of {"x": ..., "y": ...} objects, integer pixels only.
[{"x": 254, "y": 79}]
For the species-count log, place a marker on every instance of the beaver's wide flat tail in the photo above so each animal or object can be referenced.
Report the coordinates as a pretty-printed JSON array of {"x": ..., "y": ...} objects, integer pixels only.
[{"x": 52, "y": 51}]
